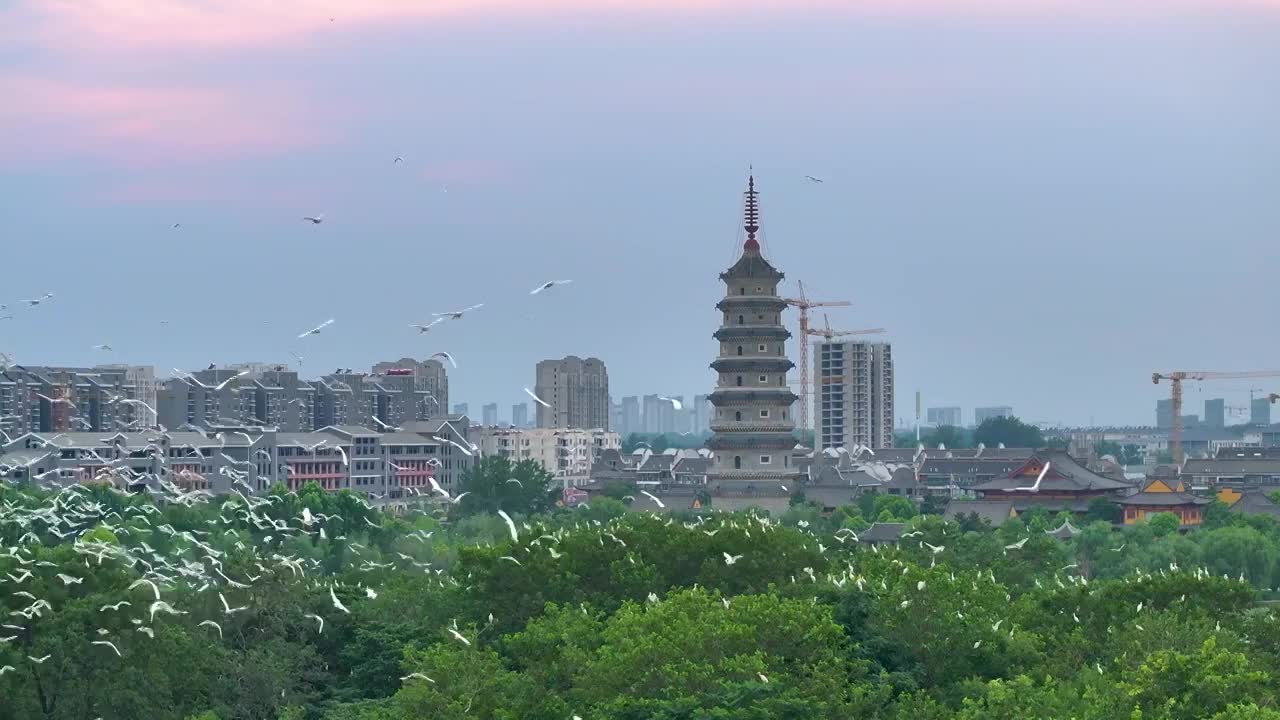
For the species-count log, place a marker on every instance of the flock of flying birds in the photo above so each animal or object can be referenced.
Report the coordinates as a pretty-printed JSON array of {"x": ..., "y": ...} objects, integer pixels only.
[{"x": 193, "y": 563}]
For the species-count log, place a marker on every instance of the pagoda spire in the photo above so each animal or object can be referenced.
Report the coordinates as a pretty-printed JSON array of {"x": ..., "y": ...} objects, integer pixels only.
[{"x": 751, "y": 216}]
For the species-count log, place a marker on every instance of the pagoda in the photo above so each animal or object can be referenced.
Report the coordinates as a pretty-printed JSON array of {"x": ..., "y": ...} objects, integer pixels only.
[{"x": 752, "y": 429}]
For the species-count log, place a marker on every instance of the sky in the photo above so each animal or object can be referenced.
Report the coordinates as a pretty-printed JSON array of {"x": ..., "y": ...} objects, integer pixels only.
[{"x": 1043, "y": 202}]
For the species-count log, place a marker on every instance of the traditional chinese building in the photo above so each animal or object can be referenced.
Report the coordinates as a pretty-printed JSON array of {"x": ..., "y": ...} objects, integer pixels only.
[
  {"x": 1164, "y": 495},
  {"x": 1051, "y": 479},
  {"x": 752, "y": 425}
]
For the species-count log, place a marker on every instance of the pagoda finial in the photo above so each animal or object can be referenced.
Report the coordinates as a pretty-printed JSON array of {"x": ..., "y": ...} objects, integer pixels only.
[{"x": 751, "y": 215}]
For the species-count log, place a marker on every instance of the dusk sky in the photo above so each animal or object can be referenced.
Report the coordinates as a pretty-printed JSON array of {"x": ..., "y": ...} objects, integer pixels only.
[{"x": 1043, "y": 201}]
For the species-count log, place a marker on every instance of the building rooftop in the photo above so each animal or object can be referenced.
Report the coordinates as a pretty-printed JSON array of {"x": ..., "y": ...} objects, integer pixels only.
[{"x": 1064, "y": 475}]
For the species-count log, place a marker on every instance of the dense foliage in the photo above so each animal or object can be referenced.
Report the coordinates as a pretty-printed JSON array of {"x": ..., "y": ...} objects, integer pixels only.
[{"x": 314, "y": 606}]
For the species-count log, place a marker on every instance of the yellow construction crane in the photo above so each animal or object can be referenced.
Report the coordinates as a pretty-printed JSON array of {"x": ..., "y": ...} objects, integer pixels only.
[
  {"x": 805, "y": 305},
  {"x": 1175, "y": 381}
]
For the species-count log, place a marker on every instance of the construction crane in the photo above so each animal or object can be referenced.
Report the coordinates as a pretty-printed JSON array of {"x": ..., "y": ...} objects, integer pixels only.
[
  {"x": 805, "y": 305},
  {"x": 1175, "y": 381},
  {"x": 827, "y": 333}
]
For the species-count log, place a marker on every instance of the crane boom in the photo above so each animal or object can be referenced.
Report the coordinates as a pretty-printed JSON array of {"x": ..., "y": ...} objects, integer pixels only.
[
  {"x": 804, "y": 304},
  {"x": 1175, "y": 379}
]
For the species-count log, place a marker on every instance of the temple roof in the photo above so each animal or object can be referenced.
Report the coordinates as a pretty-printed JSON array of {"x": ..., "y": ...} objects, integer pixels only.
[
  {"x": 1171, "y": 499},
  {"x": 1064, "y": 475}
]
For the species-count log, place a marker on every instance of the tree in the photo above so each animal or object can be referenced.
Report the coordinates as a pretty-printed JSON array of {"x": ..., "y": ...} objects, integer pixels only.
[
  {"x": 1164, "y": 523},
  {"x": 1010, "y": 431},
  {"x": 946, "y": 435},
  {"x": 495, "y": 483},
  {"x": 1101, "y": 508},
  {"x": 1131, "y": 455},
  {"x": 1108, "y": 447}
]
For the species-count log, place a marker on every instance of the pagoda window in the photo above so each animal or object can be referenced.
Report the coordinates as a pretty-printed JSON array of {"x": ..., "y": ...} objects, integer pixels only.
[
  {"x": 742, "y": 320},
  {"x": 742, "y": 291},
  {"x": 737, "y": 462},
  {"x": 739, "y": 381},
  {"x": 737, "y": 415},
  {"x": 764, "y": 413},
  {"x": 739, "y": 349}
]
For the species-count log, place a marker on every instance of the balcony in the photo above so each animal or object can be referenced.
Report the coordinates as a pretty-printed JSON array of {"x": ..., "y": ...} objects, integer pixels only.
[{"x": 757, "y": 426}]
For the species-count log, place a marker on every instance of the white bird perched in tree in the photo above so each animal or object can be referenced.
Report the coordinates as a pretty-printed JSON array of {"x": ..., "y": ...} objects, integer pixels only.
[
  {"x": 318, "y": 619},
  {"x": 675, "y": 403},
  {"x": 446, "y": 356},
  {"x": 548, "y": 286},
  {"x": 511, "y": 525},
  {"x": 652, "y": 497},
  {"x": 424, "y": 328},
  {"x": 316, "y": 220},
  {"x": 417, "y": 676},
  {"x": 730, "y": 559},
  {"x": 457, "y": 314},
  {"x": 213, "y": 625},
  {"x": 920, "y": 585},
  {"x": 316, "y": 330},
  {"x": 336, "y": 602},
  {"x": 370, "y": 593},
  {"x": 537, "y": 399},
  {"x": 105, "y": 643}
]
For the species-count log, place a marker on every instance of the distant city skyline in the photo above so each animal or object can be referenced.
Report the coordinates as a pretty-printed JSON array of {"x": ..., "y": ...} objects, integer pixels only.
[{"x": 1010, "y": 189}]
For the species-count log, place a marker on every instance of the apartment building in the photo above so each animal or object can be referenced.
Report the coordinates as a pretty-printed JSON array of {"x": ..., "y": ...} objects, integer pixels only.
[
  {"x": 563, "y": 452},
  {"x": 576, "y": 392},
  {"x": 854, "y": 406}
]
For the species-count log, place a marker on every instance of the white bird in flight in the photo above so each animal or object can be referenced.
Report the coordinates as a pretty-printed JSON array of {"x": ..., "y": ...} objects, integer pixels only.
[
  {"x": 107, "y": 644},
  {"x": 424, "y": 328},
  {"x": 652, "y": 497},
  {"x": 511, "y": 525},
  {"x": 458, "y": 636},
  {"x": 214, "y": 625},
  {"x": 104, "y": 346},
  {"x": 548, "y": 285},
  {"x": 36, "y": 301},
  {"x": 731, "y": 559},
  {"x": 446, "y": 356},
  {"x": 675, "y": 404},
  {"x": 316, "y": 330},
  {"x": 813, "y": 179},
  {"x": 336, "y": 602},
  {"x": 318, "y": 619},
  {"x": 537, "y": 399},
  {"x": 315, "y": 220},
  {"x": 457, "y": 314},
  {"x": 418, "y": 676}
]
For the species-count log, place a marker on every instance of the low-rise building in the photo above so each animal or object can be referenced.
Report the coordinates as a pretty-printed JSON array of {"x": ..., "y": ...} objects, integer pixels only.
[{"x": 564, "y": 452}]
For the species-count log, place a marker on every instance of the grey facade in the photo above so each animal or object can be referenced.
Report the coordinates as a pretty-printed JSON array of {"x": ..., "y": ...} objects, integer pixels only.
[
  {"x": 702, "y": 414},
  {"x": 577, "y": 392},
  {"x": 854, "y": 405},
  {"x": 1164, "y": 413},
  {"x": 429, "y": 375},
  {"x": 631, "y": 422},
  {"x": 460, "y": 409},
  {"x": 752, "y": 426},
  {"x": 652, "y": 418},
  {"x": 944, "y": 416},
  {"x": 1260, "y": 411},
  {"x": 1215, "y": 413},
  {"x": 520, "y": 415},
  {"x": 982, "y": 414},
  {"x": 104, "y": 398},
  {"x": 489, "y": 414}
]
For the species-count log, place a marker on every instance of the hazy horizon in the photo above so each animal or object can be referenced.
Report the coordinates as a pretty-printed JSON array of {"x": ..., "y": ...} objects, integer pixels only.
[{"x": 1043, "y": 205}]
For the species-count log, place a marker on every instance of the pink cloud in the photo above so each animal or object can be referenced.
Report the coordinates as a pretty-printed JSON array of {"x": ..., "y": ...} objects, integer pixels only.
[
  {"x": 73, "y": 24},
  {"x": 139, "y": 124}
]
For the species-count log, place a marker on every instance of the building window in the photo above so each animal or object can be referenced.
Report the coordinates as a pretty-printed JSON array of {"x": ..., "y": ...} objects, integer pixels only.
[
  {"x": 784, "y": 414},
  {"x": 764, "y": 379},
  {"x": 737, "y": 415},
  {"x": 762, "y": 348},
  {"x": 739, "y": 381},
  {"x": 765, "y": 459},
  {"x": 764, "y": 413},
  {"x": 742, "y": 291},
  {"x": 739, "y": 349},
  {"x": 737, "y": 462},
  {"x": 786, "y": 460},
  {"x": 741, "y": 320}
]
